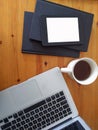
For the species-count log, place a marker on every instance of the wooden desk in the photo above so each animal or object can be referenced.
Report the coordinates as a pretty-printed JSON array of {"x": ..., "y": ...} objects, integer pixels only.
[{"x": 15, "y": 67}]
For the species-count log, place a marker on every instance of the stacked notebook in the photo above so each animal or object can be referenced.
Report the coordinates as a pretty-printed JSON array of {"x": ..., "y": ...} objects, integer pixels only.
[{"x": 54, "y": 29}]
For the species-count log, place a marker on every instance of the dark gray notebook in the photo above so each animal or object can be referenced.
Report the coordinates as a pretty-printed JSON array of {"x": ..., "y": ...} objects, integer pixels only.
[
  {"x": 35, "y": 47},
  {"x": 52, "y": 9}
]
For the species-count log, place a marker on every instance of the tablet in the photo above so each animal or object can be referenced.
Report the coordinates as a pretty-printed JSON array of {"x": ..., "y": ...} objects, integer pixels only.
[{"x": 60, "y": 31}]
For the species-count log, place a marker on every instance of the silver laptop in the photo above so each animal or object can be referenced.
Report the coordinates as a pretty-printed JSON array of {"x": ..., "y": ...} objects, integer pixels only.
[{"x": 40, "y": 103}]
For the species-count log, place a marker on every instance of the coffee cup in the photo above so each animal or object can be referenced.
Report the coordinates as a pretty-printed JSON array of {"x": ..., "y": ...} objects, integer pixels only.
[{"x": 84, "y": 70}]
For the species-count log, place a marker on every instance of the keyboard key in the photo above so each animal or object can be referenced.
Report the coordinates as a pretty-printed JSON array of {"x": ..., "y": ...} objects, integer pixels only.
[
  {"x": 61, "y": 93},
  {"x": 30, "y": 128},
  {"x": 70, "y": 112},
  {"x": 23, "y": 117},
  {"x": 40, "y": 113},
  {"x": 48, "y": 115},
  {"x": 45, "y": 106},
  {"x": 48, "y": 99},
  {"x": 34, "y": 106},
  {"x": 53, "y": 107},
  {"x": 53, "y": 97},
  {"x": 23, "y": 122},
  {"x": 1, "y": 121},
  {"x": 36, "y": 115},
  {"x": 27, "y": 115},
  {"x": 32, "y": 112},
  {"x": 30, "y": 124},
  {"x": 32, "y": 118},
  {"x": 27, "y": 120},
  {"x": 52, "y": 118},
  {"x": 56, "y": 111},
  {"x": 35, "y": 121},
  {"x": 34, "y": 127},
  {"x": 18, "y": 124},
  {"x": 43, "y": 122},
  {"x": 43, "y": 117},
  {"x": 41, "y": 108},
  {"x": 45, "y": 111},
  {"x": 47, "y": 120},
  {"x": 20, "y": 113},
  {"x": 57, "y": 105},
  {"x": 15, "y": 115},
  {"x": 49, "y": 109},
  {"x": 10, "y": 117},
  {"x": 21, "y": 128},
  {"x": 52, "y": 112},
  {"x": 13, "y": 127},
  {"x": 6, "y": 126},
  {"x": 18, "y": 119},
  {"x": 26, "y": 126},
  {"x": 5, "y": 120},
  {"x": 64, "y": 102},
  {"x": 68, "y": 109},
  {"x": 54, "y": 102},
  {"x": 38, "y": 125},
  {"x": 57, "y": 95},
  {"x": 37, "y": 110},
  {"x": 49, "y": 104},
  {"x": 14, "y": 122},
  {"x": 60, "y": 109}
]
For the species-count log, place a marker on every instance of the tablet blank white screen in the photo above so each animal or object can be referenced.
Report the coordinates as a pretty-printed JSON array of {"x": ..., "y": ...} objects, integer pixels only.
[{"x": 63, "y": 29}]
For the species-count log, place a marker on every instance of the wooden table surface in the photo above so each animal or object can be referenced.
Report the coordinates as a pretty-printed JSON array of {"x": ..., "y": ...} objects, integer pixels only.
[{"x": 16, "y": 67}]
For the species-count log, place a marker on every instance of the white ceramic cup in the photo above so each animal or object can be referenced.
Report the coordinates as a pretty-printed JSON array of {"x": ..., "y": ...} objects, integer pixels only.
[{"x": 92, "y": 76}]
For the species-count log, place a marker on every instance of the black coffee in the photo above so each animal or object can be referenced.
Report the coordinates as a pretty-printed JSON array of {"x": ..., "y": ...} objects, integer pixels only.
[{"x": 82, "y": 70}]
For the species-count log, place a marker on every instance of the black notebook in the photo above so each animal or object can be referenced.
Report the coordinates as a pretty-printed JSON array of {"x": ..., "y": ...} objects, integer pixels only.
[
  {"x": 35, "y": 47},
  {"x": 49, "y": 8}
]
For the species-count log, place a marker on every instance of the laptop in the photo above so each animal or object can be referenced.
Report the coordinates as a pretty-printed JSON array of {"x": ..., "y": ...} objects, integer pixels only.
[{"x": 42, "y": 102}]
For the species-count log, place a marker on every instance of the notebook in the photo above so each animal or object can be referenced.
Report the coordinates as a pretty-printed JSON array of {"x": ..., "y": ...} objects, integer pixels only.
[
  {"x": 39, "y": 104},
  {"x": 54, "y": 9},
  {"x": 35, "y": 47}
]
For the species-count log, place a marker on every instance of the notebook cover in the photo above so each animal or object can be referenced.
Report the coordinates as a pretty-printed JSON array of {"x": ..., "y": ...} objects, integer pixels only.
[
  {"x": 49, "y": 8},
  {"x": 35, "y": 47}
]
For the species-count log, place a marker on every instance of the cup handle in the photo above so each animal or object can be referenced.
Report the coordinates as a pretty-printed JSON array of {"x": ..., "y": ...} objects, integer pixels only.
[{"x": 65, "y": 70}]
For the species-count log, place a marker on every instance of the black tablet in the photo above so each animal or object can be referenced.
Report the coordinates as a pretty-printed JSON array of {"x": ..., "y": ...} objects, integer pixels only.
[{"x": 60, "y": 30}]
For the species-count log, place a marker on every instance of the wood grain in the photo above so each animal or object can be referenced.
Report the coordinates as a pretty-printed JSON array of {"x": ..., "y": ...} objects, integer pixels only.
[{"x": 16, "y": 67}]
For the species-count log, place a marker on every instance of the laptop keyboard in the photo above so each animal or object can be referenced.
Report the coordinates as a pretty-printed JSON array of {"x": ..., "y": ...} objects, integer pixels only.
[
  {"x": 74, "y": 126},
  {"x": 39, "y": 115}
]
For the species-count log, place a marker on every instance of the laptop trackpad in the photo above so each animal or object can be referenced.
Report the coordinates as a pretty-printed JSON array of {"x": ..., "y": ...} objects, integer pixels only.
[
  {"x": 26, "y": 93},
  {"x": 17, "y": 97}
]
